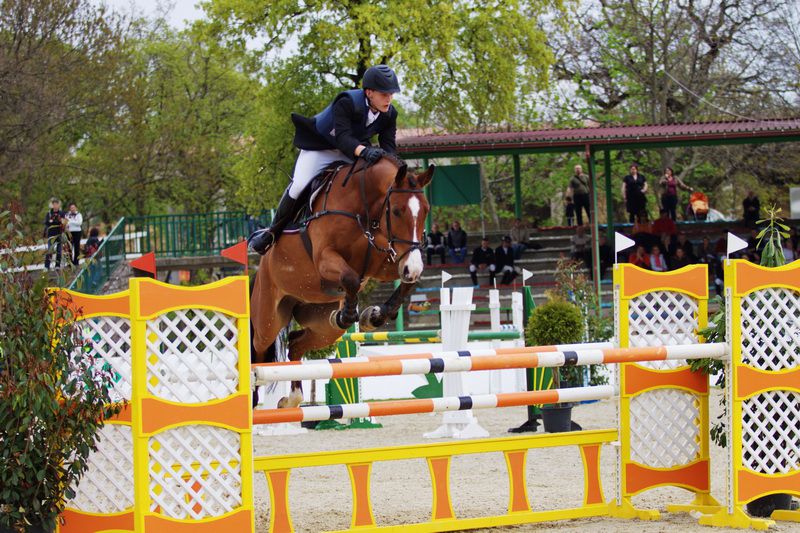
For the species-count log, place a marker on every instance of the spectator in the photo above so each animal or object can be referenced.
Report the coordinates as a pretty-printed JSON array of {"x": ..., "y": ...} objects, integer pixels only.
[
  {"x": 435, "y": 243},
  {"x": 664, "y": 225},
  {"x": 794, "y": 241},
  {"x": 580, "y": 247},
  {"x": 707, "y": 254},
  {"x": 520, "y": 237},
  {"x": 679, "y": 260},
  {"x": 642, "y": 232},
  {"x": 634, "y": 188},
  {"x": 752, "y": 209},
  {"x": 504, "y": 260},
  {"x": 92, "y": 243},
  {"x": 569, "y": 210},
  {"x": 482, "y": 259},
  {"x": 683, "y": 242},
  {"x": 606, "y": 255},
  {"x": 579, "y": 191},
  {"x": 53, "y": 229},
  {"x": 74, "y": 223},
  {"x": 669, "y": 192},
  {"x": 789, "y": 253},
  {"x": 90, "y": 251},
  {"x": 457, "y": 243},
  {"x": 754, "y": 247},
  {"x": 640, "y": 258},
  {"x": 657, "y": 261}
]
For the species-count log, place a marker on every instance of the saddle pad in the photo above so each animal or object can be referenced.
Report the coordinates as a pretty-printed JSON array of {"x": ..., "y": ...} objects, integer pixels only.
[{"x": 311, "y": 192}]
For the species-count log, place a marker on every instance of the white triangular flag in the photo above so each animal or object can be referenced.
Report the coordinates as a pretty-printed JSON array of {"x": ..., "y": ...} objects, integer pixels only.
[
  {"x": 621, "y": 242},
  {"x": 526, "y": 275},
  {"x": 735, "y": 244},
  {"x": 445, "y": 277}
]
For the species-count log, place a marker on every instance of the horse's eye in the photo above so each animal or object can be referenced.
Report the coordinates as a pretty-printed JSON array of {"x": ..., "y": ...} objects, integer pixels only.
[{"x": 396, "y": 211}]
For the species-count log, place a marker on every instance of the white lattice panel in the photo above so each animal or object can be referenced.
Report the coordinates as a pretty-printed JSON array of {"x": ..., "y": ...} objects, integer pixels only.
[
  {"x": 664, "y": 430},
  {"x": 107, "y": 486},
  {"x": 770, "y": 320},
  {"x": 192, "y": 356},
  {"x": 195, "y": 472},
  {"x": 771, "y": 432},
  {"x": 108, "y": 340},
  {"x": 662, "y": 318}
]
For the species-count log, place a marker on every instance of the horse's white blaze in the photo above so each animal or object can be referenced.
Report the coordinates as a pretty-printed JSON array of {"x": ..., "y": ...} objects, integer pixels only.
[{"x": 414, "y": 260}]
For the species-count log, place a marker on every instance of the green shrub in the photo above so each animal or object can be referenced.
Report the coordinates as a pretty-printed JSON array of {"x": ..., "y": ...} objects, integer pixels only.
[
  {"x": 557, "y": 322},
  {"x": 53, "y": 397}
]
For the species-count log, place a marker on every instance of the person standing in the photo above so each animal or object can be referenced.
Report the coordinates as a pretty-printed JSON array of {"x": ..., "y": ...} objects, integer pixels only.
[
  {"x": 752, "y": 209},
  {"x": 457, "y": 243},
  {"x": 53, "y": 228},
  {"x": 579, "y": 191},
  {"x": 74, "y": 223},
  {"x": 669, "y": 192},
  {"x": 634, "y": 188}
]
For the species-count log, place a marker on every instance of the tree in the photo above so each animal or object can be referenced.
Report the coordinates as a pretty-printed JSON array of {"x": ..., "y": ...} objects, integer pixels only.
[
  {"x": 464, "y": 66},
  {"x": 57, "y": 59}
]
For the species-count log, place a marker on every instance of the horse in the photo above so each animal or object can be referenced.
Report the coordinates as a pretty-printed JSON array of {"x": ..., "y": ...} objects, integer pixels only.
[{"x": 366, "y": 223}]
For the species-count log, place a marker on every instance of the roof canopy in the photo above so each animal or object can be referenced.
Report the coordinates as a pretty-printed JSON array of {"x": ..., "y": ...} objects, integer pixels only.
[{"x": 600, "y": 138}]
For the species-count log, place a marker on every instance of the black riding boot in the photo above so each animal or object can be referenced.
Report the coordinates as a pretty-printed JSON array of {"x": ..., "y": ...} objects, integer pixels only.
[{"x": 261, "y": 240}]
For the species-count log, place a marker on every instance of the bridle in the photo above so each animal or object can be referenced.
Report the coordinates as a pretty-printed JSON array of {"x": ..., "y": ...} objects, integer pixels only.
[{"x": 368, "y": 225}]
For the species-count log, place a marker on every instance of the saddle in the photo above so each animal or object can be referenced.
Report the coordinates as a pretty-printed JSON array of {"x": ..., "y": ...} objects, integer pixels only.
[{"x": 311, "y": 192}]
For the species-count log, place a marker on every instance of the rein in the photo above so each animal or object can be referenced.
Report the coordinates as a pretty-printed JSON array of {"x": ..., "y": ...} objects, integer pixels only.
[{"x": 368, "y": 225}]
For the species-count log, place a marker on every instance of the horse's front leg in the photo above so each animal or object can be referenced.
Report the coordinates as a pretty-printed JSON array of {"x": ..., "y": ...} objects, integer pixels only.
[
  {"x": 333, "y": 267},
  {"x": 375, "y": 316}
]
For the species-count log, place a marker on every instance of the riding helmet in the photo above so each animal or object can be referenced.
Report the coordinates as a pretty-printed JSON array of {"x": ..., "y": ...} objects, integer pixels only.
[{"x": 381, "y": 78}]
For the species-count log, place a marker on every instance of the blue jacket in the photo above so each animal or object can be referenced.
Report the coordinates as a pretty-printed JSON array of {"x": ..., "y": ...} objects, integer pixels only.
[{"x": 343, "y": 125}]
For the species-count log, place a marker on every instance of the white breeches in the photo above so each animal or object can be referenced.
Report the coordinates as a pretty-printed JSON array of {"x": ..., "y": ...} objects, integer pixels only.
[
  {"x": 473, "y": 268},
  {"x": 309, "y": 164}
]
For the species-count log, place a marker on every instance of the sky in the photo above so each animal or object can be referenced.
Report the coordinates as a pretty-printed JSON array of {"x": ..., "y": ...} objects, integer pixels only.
[{"x": 180, "y": 10}]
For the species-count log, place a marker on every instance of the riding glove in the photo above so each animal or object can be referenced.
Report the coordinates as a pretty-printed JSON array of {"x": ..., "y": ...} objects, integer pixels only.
[{"x": 371, "y": 154}]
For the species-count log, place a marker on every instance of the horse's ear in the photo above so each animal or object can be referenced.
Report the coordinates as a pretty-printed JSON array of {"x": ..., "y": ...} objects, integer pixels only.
[
  {"x": 426, "y": 177},
  {"x": 401, "y": 175}
]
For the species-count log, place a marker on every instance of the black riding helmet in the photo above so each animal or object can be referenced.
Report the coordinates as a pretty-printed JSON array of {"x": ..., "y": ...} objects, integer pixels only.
[{"x": 381, "y": 78}]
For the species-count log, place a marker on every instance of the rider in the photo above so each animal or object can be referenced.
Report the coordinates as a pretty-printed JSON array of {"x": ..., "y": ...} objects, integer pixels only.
[{"x": 341, "y": 132}]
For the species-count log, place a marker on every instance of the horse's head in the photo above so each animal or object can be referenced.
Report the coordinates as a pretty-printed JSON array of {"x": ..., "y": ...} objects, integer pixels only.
[{"x": 405, "y": 213}]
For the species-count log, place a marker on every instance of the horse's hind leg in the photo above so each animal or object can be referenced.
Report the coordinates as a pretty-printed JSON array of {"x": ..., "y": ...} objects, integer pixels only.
[
  {"x": 375, "y": 316},
  {"x": 317, "y": 332}
]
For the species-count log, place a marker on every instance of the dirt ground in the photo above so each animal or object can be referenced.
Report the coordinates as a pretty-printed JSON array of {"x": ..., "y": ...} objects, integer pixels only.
[{"x": 320, "y": 498}]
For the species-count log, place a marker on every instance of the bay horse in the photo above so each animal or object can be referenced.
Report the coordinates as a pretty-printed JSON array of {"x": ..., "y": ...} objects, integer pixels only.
[{"x": 366, "y": 223}]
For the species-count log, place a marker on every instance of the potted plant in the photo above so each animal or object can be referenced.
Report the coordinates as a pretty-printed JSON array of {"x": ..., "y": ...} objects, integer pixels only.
[
  {"x": 556, "y": 322},
  {"x": 771, "y": 256},
  {"x": 53, "y": 398}
]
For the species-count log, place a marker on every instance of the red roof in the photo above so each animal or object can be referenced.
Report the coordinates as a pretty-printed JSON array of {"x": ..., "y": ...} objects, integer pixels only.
[{"x": 576, "y": 138}]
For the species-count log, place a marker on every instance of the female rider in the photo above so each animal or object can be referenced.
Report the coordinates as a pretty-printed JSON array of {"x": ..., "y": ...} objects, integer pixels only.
[{"x": 341, "y": 132}]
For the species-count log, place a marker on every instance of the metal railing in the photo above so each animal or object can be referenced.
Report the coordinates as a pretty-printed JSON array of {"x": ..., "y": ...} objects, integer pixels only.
[
  {"x": 98, "y": 269},
  {"x": 196, "y": 234}
]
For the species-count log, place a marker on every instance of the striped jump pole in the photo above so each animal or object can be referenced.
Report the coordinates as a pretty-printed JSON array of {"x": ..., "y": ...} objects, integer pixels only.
[
  {"x": 378, "y": 366},
  {"x": 482, "y": 352},
  {"x": 432, "y": 405}
]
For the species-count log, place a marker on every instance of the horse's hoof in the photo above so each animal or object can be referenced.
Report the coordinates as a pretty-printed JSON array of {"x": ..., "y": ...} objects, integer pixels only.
[
  {"x": 371, "y": 318},
  {"x": 283, "y": 402}
]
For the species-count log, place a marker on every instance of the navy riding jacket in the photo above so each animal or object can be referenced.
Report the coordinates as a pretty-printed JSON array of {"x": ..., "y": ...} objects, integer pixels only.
[{"x": 343, "y": 125}]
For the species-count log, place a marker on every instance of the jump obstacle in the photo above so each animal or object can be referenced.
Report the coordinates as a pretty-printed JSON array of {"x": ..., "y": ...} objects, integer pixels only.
[{"x": 180, "y": 457}]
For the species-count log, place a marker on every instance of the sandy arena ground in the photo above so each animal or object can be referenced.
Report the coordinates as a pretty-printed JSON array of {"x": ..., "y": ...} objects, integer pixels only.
[{"x": 320, "y": 498}]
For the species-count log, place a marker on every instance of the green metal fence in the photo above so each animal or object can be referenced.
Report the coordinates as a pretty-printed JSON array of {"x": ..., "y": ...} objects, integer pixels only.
[
  {"x": 195, "y": 234},
  {"x": 97, "y": 269}
]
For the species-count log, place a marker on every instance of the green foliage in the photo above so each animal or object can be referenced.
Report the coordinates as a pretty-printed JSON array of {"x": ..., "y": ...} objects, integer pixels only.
[
  {"x": 52, "y": 397},
  {"x": 556, "y": 322}
]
